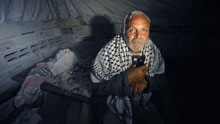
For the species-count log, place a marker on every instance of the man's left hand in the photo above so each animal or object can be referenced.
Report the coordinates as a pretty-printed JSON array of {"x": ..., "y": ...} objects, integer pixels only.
[{"x": 138, "y": 86}]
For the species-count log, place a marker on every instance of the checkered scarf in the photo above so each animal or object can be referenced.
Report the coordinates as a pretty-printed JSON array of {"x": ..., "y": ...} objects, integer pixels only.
[{"x": 114, "y": 58}]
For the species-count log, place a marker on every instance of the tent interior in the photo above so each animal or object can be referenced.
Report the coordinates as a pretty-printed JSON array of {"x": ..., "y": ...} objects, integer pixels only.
[{"x": 34, "y": 31}]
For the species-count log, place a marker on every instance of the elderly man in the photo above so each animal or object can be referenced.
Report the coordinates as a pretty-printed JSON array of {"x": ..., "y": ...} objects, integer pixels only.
[{"x": 122, "y": 68}]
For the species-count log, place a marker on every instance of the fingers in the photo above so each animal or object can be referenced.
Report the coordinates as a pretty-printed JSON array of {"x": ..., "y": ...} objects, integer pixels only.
[
  {"x": 132, "y": 74},
  {"x": 136, "y": 88},
  {"x": 145, "y": 82},
  {"x": 143, "y": 69},
  {"x": 136, "y": 73},
  {"x": 131, "y": 88}
]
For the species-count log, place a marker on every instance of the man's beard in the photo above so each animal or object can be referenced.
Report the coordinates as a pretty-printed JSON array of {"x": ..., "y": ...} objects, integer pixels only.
[{"x": 136, "y": 40}]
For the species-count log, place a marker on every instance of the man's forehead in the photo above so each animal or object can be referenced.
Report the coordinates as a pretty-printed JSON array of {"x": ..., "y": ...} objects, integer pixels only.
[
  {"x": 138, "y": 20},
  {"x": 138, "y": 17}
]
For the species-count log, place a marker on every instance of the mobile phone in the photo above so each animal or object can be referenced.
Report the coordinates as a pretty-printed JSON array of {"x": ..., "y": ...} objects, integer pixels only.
[{"x": 138, "y": 60}]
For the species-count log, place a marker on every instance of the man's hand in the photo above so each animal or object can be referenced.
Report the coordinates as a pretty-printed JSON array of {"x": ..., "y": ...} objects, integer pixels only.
[
  {"x": 136, "y": 74},
  {"x": 138, "y": 87}
]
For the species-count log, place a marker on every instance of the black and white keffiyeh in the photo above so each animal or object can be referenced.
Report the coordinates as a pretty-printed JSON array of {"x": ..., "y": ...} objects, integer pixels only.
[{"x": 115, "y": 58}]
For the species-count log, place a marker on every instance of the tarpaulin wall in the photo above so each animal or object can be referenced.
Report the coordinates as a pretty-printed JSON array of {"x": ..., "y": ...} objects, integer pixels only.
[{"x": 26, "y": 10}]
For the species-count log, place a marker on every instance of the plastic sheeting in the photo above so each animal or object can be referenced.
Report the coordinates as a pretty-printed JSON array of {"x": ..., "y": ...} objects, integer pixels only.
[{"x": 26, "y": 10}]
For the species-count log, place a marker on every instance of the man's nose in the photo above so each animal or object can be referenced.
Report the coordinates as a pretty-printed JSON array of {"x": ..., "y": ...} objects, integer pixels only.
[{"x": 138, "y": 34}]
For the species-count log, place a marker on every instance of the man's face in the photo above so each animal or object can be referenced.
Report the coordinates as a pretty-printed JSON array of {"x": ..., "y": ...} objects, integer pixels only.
[{"x": 137, "y": 32}]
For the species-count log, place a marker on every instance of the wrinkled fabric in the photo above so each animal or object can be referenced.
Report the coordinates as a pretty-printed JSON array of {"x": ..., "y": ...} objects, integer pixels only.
[
  {"x": 69, "y": 74},
  {"x": 27, "y": 10},
  {"x": 30, "y": 92},
  {"x": 65, "y": 59}
]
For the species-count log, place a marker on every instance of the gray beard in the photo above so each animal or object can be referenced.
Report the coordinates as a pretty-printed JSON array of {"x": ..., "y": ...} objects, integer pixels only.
[{"x": 135, "y": 50}]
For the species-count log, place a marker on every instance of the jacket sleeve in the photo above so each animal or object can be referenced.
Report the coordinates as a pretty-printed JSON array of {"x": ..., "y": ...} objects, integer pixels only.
[{"x": 117, "y": 85}]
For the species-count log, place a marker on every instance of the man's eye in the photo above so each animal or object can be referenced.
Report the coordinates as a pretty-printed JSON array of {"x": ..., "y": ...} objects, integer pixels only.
[
  {"x": 145, "y": 30},
  {"x": 131, "y": 30}
]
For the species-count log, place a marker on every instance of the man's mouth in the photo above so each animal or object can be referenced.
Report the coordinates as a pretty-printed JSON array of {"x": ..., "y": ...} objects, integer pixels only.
[{"x": 137, "y": 41}]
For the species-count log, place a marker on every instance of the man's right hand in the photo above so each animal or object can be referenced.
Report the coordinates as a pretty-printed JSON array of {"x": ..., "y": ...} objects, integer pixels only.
[{"x": 135, "y": 74}]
